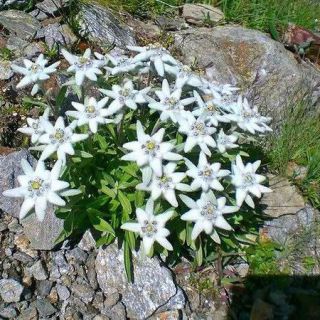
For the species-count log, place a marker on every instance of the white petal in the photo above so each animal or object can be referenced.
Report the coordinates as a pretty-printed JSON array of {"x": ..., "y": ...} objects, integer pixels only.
[
  {"x": 222, "y": 223},
  {"x": 197, "y": 229},
  {"x": 55, "y": 199},
  {"x": 147, "y": 244},
  {"x": 40, "y": 207},
  {"x": 131, "y": 226},
  {"x": 27, "y": 205},
  {"x": 164, "y": 242}
]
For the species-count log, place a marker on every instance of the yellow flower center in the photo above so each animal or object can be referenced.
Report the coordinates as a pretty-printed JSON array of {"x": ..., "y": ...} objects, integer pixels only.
[
  {"x": 207, "y": 172},
  {"x": 150, "y": 145},
  {"x": 36, "y": 184},
  {"x": 149, "y": 228},
  {"x": 34, "y": 68},
  {"x": 83, "y": 60},
  {"x": 59, "y": 134},
  {"x": 90, "y": 109},
  {"x": 211, "y": 107}
]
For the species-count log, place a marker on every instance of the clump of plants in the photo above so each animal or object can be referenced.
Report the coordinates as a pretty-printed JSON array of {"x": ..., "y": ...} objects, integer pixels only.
[{"x": 154, "y": 161}]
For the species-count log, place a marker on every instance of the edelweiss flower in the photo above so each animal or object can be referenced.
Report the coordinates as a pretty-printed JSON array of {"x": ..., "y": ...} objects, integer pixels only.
[
  {"x": 151, "y": 227},
  {"x": 92, "y": 112},
  {"x": 125, "y": 96},
  {"x": 225, "y": 141},
  {"x": 184, "y": 75},
  {"x": 207, "y": 213},
  {"x": 198, "y": 133},
  {"x": 58, "y": 138},
  {"x": 166, "y": 184},
  {"x": 170, "y": 104},
  {"x": 156, "y": 54},
  {"x": 206, "y": 176},
  {"x": 247, "y": 118},
  {"x": 38, "y": 187},
  {"x": 209, "y": 111},
  {"x": 122, "y": 64},
  {"x": 83, "y": 66},
  {"x": 150, "y": 150},
  {"x": 247, "y": 182},
  {"x": 36, "y": 127},
  {"x": 35, "y": 72}
]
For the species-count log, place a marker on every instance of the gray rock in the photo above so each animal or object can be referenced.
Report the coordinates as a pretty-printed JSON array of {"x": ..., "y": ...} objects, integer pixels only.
[
  {"x": 91, "y": 271},
  {"x": 42, "y": 235},
  {"x": 102, "y": 26},
  {"x": 8, "y": 312},
  {"x": 22, "y": 257},
  {"x": 10, "y": 290},
  {"x": 19, "y": 23},
  {"x": 28, "y": 314},
  {"x": 76, "y": 255},
  {"x": 5, "y": 70},
  {"x": 44, "y": 287},
  {"x": 9, "y": 170},
  {"x": 83, "y": 291},
  {"x": 118, "y": 311},
  {"x": 14, "y": 226},
  {"x": 87, "y": 243},
  {"x": 45, "y": 308},
  {"x": 38, "y": 14},
  {"x": 285, "y": 198},
  {"x": 38, "y": 271},
  {"x": 265, "y": 71},
  {"x": 51, "y": 6},
  {"x": 60, "y": 261},
  {"x": 200, "y": 14},
  {"x": 153, "y": 285},
  {"x": 10, "y": 3},
  {"x": 63, "y": 292},
  {"x": 56, "y": 33}
]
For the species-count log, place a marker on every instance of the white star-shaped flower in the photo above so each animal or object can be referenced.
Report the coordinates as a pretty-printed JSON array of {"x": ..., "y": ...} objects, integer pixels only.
[
  {"x": 248, "y": 118},
  {"x": 209, "y": 111},
  {"x": 156, "y": 54},
  {"x": 125, "y": 96},
  {"x": 84, "y": 66},
  {"x": 206, "y": 176},
  {"x": 151, "y": 227},
  {"x": 92, "y": 112},
  {"x": 247, "y": 182},
  {"x": 38, "y": 187},
  {"x": 225, "y": 141},
  {"x": 166, "y": 184},
  {"x": 150, "y": 150},
  {"x": 197, "y": 132},
  {"x": 207, "y": 213},
  {"x": 171, "y": 105},
  {"x": 122, "y": 64},
  {"x": 58, "y": 138},
  {"x": 35, "y": 127},
  {"x": 184, "y": 76},
  {"x": 35, "y": 72}
]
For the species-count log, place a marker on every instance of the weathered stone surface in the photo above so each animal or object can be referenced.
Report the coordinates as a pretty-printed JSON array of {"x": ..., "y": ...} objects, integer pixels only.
[
  {"x": 56, "y": 33},
  {"x": 9, "y": 3},
  {"x": 38, "y": 14},
  {"x": 45, "y": 308},
  {"x": 83, "y": 291},
  {"x": 103, "y": 27},
  {"x": 200, "y": 14},
  {"x": 10, "y": 290},
  {"x": 38, "y": 271},
  {"x": 153, "y": 285},
  {"x": 63, "y": 292},
  {"x": 51, "y": 6},
  {"x": 19, "y": 23},
  {"x": 42, "y": 235},
  {"x": 87, "y": 243},
  {"x": 5, "y": 70},
  {"x": 9, "y": 170},
  {"x": 285, "y": 198},
  {"x": 262, "y": 68}
]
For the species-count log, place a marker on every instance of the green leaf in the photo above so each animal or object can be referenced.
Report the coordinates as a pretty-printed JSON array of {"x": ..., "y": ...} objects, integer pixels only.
[
  {"x": 102, "y": 141},
  {"x": 199, "y": 254},
  {"x": 98, "y": 223},
  {"x": 61, "y": 95},
  {"x": 125, "y": 203},
  {"x": 139, "y": 198},
  {"x": 130, "y": 238},
  {"x": 128, "y": 261},
  {"x": 109, "y": 192}
]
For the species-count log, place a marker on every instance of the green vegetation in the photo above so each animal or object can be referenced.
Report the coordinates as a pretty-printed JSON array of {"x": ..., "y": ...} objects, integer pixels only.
[
  {"x": 270, "y": 15},
  {"x": 298, "y": 142}
]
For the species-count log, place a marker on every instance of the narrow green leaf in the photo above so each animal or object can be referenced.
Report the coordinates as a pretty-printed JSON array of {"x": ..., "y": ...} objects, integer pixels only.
[
  {"x": 99, "y": 223},
  {"x": 128, "y": 261},
  {"x": 125, "y": 203},
  {"x": 61, "y": 95}
]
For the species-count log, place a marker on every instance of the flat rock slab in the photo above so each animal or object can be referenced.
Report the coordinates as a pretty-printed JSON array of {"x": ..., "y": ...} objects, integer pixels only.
[
  {"x": 262, "y": 68},
  {"x": 153, "y": 286},
  {"x": 102, "y": 26},
  {"x": 285, "y": 198},
  {"x": 199, "y": 14},
  {"x": 19, "y": 23},
  {"x": 10, "y": 290},
  {"x": 42, "y": 235}
]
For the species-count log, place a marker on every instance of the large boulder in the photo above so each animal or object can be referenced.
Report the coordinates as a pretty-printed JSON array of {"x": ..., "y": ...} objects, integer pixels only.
[
  {"x": 261, "y": 67},
  {"x": 153, "y": 288},
  {"x": 19, "y": 23},
  {"x": 103, "y": 27}
]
